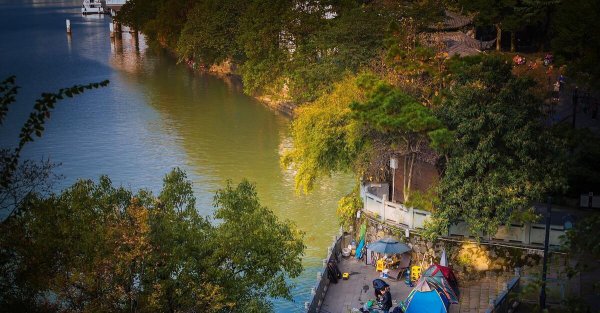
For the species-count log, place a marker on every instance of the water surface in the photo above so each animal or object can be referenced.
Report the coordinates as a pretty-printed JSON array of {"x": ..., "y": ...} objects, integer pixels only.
[{"x": 154, "y": 115}]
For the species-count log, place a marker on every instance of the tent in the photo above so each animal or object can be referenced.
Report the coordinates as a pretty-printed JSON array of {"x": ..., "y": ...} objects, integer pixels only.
[
  {"x": 438, "y": 272},
  {"x": 439, "y": 284},
  {"x": 428, "y": 301}
]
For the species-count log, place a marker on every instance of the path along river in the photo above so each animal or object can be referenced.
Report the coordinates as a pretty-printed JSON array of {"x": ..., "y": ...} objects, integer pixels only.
[{"x": 155, "y": 115}]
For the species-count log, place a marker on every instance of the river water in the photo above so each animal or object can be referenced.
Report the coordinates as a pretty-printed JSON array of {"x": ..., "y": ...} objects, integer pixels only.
[{"x": 154, "y": 115}]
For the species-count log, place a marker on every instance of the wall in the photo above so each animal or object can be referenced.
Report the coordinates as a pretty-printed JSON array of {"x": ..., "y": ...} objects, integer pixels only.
[
  {"x": 319, "y": 291},
  {"x": 470, "y": 260},
  {"x": 396, "y": 214},
  {"x": 424, "y": 176}
]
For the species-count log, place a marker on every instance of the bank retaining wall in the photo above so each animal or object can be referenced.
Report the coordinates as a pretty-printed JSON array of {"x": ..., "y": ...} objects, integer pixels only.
[{"x": 319, "y": 290}]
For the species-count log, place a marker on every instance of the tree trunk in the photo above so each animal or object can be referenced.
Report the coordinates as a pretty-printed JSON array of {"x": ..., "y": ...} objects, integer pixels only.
[
  {"x": 404, "y": 179},
  {"x": 409, "y": 164},
  {"x": 513, "y": 41},
  {"x": 498, "y": 37}
]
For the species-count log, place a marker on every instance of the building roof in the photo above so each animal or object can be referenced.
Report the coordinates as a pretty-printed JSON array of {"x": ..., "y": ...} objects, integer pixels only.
[
  {"x": 457, "y": 42},
  {"x": 452, "y": 21}
]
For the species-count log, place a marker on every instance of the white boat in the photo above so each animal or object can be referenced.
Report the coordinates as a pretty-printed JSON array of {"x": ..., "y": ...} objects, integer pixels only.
[{"x": 93, "y": 7}]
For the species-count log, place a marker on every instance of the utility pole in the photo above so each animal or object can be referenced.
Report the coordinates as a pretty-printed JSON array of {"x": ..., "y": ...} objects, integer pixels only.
[
  {"x": 546, "y": 243},
  {"x": 575, "y": 100},
  {"x": 393, "y": 166}
]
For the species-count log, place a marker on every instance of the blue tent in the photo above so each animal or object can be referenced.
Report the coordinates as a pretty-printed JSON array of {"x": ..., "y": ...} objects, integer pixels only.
[{"x": 425, "y": 302}]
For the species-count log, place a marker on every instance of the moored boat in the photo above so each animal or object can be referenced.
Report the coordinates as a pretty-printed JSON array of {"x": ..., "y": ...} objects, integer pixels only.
[{"x": 93, "y": 7}]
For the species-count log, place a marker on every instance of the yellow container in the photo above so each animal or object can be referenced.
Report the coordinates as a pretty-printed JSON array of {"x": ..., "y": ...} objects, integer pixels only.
[
  {"x": 380, "y": 265},
  {"x": 415, "y": 273},
  {"x": 345, "y": 275}
]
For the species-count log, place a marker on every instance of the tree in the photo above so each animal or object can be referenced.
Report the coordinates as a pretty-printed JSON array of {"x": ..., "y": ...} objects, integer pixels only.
[
  {"x": 160, "y": 21},
  {"x": 582, "y": 238},
  {"x": 574, "y": 43},
  {"x": 18, "y": 180},
  {"x": 415, "y": 67},
  {"x": 362, "y": 122},
  {"x": 210, "y": 34},
  {"x": 583, "y": 145},
  {"x": 256, "y": 251},
  {"x": 409, "y": 128},
  {"x": 499, "y": 13},
  {"x": 262, "y": 24},
  {"x": 108, "y": 249},
  {"x": 502, "y": 158},
  {"x": 340, "y": 46},
  {"x": 325, "y": 137},
  {"x": 533, "y": 16}
]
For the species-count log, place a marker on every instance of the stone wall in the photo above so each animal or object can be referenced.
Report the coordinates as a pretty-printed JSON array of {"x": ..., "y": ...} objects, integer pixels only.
[{"x": 469, "y": 260}]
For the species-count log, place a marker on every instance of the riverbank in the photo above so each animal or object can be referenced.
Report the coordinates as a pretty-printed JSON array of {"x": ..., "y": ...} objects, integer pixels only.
[{"x": 227, "y": 71}]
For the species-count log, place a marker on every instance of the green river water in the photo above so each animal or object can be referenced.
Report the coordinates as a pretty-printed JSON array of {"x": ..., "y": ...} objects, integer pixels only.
[{"x": 155, "y": 115}]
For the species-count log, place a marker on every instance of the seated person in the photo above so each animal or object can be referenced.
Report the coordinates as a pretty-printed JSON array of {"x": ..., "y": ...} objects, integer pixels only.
[{"x": 385, "y": 300}]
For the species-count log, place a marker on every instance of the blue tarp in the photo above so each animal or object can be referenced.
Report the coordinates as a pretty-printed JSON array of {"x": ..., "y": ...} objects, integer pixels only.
[
  {"x": 388, "y": 246},
  {"x": 359, "y": 248},
  {"x": 425, "y": 302}
]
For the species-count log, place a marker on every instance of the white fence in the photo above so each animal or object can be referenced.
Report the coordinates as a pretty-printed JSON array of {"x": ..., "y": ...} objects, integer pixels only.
[
  {"x": 115, "y": 2},
  {"x": 589, "y": 201},
  {"x": 414, "y": 219}
]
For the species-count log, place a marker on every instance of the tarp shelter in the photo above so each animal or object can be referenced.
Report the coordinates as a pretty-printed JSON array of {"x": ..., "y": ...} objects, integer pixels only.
[
  {"x": 428, "y": 301},
  {"x": 388, "y": 246},
  {"x": 439, "y": 284},
  {"x": 437, "y": 272},
  {"x": 361, "y": 241},
  {"x": 443, "y": 258}
]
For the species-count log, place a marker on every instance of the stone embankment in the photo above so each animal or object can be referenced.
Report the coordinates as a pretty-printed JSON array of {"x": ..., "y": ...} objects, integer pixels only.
[{"x": 483, "y": 269}]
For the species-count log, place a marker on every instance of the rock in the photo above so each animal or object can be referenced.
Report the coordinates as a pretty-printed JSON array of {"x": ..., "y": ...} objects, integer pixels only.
[{"x": 480, "y": 264}]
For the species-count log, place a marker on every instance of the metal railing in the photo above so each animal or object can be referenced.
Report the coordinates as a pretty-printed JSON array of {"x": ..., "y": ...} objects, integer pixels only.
[
  {"x": 319, "y": 291},
  {"x": 502, "y": 303}
]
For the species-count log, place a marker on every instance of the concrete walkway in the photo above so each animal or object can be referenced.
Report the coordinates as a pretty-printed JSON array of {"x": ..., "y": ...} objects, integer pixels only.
[{"x": 350, "y": 295}]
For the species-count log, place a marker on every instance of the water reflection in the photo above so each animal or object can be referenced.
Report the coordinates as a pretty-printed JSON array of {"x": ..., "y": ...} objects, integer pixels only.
[
  {"x": 69, "y": 39},
  {"x": 227, "y": 135},
  {"x": 127, "y": 53},
  {"x": 153, "y": 116}
]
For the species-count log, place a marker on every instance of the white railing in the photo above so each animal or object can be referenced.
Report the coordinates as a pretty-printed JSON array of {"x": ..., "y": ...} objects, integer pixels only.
[
  {"x": 414, "y": 219},
  {"x": 115, "y": 2}
]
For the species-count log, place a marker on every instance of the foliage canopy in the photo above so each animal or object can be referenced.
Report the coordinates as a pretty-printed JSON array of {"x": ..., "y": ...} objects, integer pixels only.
[
  {"x": 108, "y": 249},
  {"x": 502, "y": 158}
]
